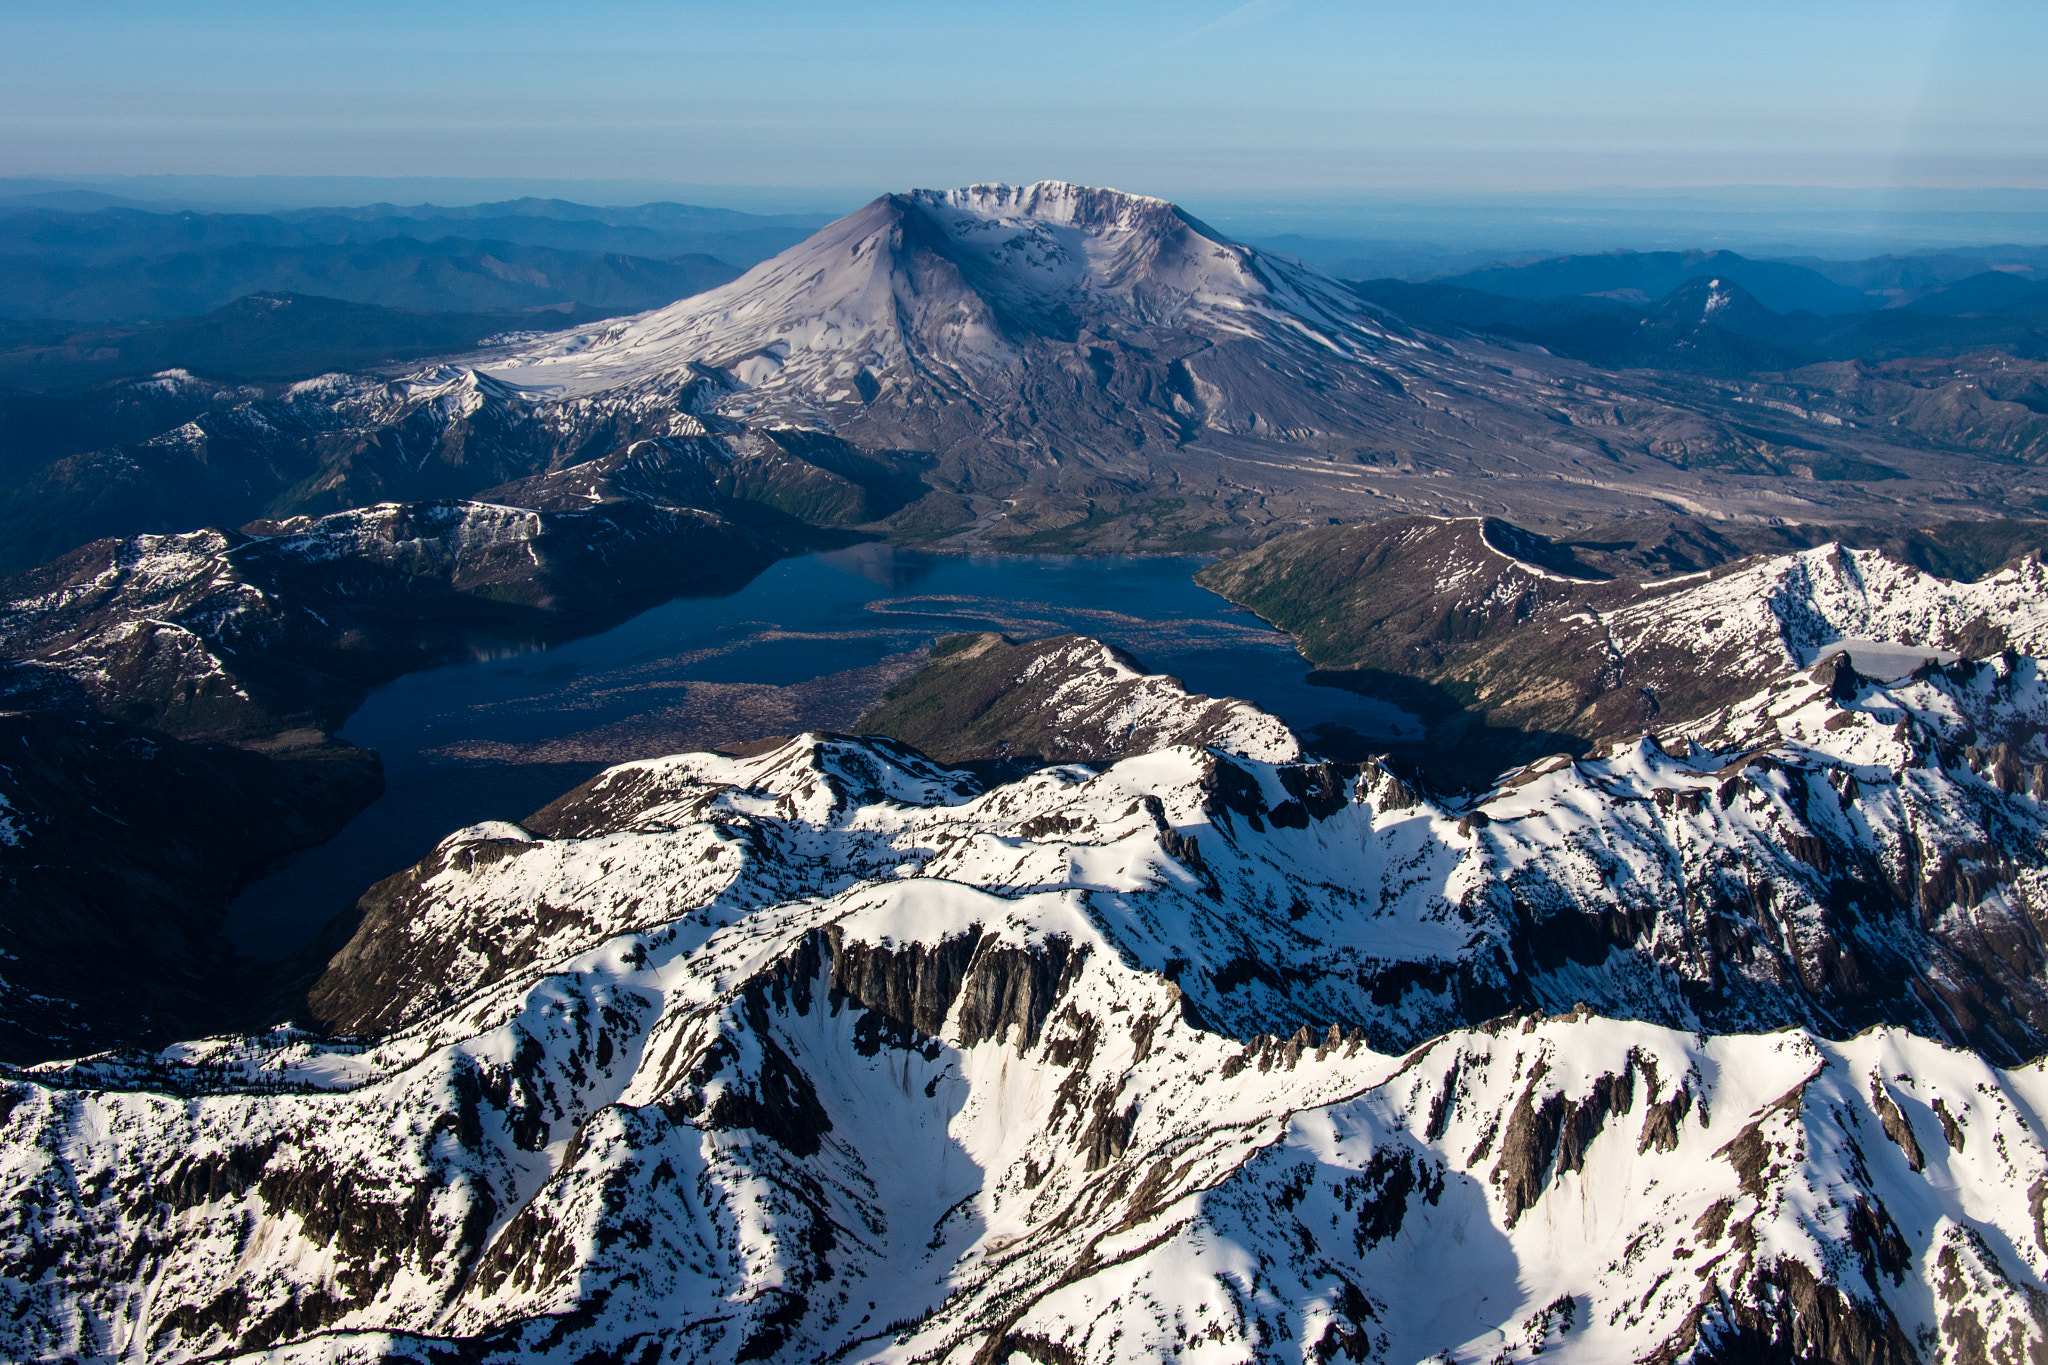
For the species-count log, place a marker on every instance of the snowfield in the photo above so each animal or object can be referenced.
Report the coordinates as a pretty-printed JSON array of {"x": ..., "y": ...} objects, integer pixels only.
[{"x": 830, "y": 1054}]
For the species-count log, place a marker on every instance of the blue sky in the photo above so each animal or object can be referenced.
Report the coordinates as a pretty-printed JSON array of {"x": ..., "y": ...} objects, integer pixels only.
[{"x": 1299, "y": 96}]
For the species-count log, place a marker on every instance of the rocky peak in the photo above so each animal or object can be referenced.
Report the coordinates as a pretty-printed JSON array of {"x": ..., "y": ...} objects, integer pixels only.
[{"x": 986, "y": 698}]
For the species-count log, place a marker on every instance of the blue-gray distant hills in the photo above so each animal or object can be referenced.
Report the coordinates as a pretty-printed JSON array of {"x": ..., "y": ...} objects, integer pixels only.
[
  {"x": 1724, "y": 314},
  {"x": 127, "y": 264},
  {"x": 264, "y": 336},
  {"x": 1642, "y": 276}
]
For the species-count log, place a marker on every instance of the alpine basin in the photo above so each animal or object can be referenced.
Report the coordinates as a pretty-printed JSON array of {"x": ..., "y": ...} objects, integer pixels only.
[{"x": 809, "y": 644}]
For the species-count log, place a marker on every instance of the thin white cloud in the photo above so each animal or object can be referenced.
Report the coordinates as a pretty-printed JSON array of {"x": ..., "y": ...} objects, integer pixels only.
[{"x": 1252, "y": 12}]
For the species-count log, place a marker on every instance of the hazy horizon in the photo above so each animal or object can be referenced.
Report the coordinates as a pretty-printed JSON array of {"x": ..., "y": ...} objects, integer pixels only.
[
  {"x": 1413, "y": 228},
  {"x": 1292, "y": 97}
]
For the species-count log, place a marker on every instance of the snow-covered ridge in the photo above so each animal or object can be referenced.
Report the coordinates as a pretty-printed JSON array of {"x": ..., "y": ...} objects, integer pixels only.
[
  {"x": 209, "y": 633},
  {"x": 1121, "y": 697},
  {"x": 829, "y": 1052},
  {"x": 1802, "y": 602},
  {"x": 1063, "y": 699},
  {"x": 820, "y": 1054},
  {"x": 1898, "y": 828},
  {"x": 1544, "y": 652}
]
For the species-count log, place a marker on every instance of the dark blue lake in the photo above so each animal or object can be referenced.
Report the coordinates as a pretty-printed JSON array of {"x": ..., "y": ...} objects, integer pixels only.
[{"x": 810, "y": 644}]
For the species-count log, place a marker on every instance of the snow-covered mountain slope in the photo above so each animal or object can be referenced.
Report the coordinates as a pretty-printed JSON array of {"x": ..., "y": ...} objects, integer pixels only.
[
  {"x": 961, "y": 280},
  {"x": 1089, "y": 367},
  {"x": 1067, "y": 699},
  {"x": 1528, "y": 657},
  {"x": 820, "y": 1055},
  {"x": 829, "y": 1052},
  {"x": 218, "y": 634}
]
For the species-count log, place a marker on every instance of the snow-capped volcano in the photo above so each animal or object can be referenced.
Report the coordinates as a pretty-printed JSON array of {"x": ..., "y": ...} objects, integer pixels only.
[
  {"x": 959, "y": 280},
  {"x": 1044, "y": 368},
  {"x": 1062, "y": 366}
]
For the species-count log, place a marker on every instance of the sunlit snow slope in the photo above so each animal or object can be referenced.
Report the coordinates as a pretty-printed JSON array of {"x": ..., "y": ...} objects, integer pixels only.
[{"x": 828, "y": 1053}]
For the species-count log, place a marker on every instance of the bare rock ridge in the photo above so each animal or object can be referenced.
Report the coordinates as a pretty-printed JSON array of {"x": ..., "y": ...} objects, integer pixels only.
[{"x": 1067, "y": 699}]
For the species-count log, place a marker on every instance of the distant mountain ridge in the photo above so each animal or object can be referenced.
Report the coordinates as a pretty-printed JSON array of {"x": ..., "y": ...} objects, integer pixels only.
[
  {"x": 1630, "y": 309},
  {"x": 1056, "y": 367},
  {"x": 650, "y": 217},
  {"x": 127, "y": 263},
  {"x": 1639, "y": 277},
  {"x": 451, "y": 275},
  {"x": 272, "y": 335},
  {"x": 114, "y": 233},
  {"x": 1960, "y": 367}
]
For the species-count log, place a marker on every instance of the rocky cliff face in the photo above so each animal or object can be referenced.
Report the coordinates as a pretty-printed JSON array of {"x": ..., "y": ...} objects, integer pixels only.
[
  {"x": 824, "y": 1054},
  {"x": 1068, "y": 699}
]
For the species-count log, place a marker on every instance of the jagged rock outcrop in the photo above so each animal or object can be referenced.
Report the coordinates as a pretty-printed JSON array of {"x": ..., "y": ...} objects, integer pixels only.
[{"x": 1067, "y": 699}]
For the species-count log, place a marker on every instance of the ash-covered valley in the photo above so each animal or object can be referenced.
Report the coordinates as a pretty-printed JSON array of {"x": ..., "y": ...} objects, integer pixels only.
[{"x": 1674, "y": 990}]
